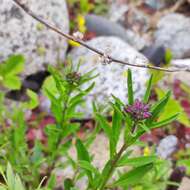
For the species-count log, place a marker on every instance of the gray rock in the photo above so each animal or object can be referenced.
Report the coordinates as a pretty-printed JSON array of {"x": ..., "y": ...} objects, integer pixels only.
[
  {"x": 111, "y": 79},
  {"x": 20, "y": 34},
  {"x": 173, "y": 32},
  {"x": 156, "y": 4},
  {"x": 104, "y": 27},
  {"x": 135, "y": 40},
  {"x": 117, "y": 11},
  {"x": 167, "y": 146},
  {"x": 155, "y": 54}
]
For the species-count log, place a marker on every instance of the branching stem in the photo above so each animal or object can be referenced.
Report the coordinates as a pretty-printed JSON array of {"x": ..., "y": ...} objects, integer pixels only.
[{"x": 81, "y": 42}]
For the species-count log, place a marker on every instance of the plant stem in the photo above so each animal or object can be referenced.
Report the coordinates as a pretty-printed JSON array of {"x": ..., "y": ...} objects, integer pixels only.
[
  {"x": 56, "y": 156},
  {"x": 113, "y": 165}
]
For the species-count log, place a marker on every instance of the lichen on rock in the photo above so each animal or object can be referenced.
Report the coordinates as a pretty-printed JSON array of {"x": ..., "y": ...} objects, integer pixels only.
[{"x": 21, "y": 34}]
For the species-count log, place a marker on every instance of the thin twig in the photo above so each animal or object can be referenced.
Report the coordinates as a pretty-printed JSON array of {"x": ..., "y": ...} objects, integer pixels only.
[{"x": 81, "y": 42}]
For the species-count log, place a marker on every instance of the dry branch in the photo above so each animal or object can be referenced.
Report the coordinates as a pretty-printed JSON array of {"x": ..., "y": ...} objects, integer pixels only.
[{"x": 81, "y": 42}]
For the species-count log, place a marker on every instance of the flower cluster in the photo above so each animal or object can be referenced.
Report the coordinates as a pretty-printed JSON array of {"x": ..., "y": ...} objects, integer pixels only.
[
  {"x": 138, "y": 110},
  {"x": 73, "y": 78}
]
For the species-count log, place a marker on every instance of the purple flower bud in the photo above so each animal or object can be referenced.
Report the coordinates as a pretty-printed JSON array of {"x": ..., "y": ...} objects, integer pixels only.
[{"x": 138, "y": 110}]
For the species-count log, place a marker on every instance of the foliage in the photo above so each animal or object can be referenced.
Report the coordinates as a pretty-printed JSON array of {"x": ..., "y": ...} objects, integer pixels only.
[
  {"x": 183, "y": 159},
  {"x": 9, "y": 71},
  {"x": 13, "y": 181},
  {"x": 40, "y": 158},
  {"x": 27, "y": 159},
  {"x": 80, "y": 8},
  {"x": 157, "y": 178},
  {"x": 172, "y": 107}
]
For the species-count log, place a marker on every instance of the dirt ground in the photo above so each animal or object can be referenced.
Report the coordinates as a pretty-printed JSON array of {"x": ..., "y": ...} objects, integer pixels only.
[{"x": 185, "y": 184}]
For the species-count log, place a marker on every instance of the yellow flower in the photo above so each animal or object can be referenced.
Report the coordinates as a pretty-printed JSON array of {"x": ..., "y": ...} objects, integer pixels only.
[
  {"x": 81, "y": 23},
  {"x": 73, "y": 43},
  {"x": 146, "y": 151},
  {"x": 125, "y": 73}
]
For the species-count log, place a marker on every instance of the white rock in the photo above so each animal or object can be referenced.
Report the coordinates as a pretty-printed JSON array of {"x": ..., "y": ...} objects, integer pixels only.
[
  {"x": 167, "y": 146},
  {"x": 21, "y": 34},
  {"x": 111, "y": 79},
  {"x": 117, "y": 11},
  {"x": 173, "y": 32}
]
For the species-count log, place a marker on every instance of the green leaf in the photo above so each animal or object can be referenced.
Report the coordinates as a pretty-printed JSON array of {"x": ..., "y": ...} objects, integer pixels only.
[
  {"x": 84, "y": 6},
  {"x": 51, "y": 182},
  {"x": 104, "y": 174},
  {"x": 82, "y": 152},
  {"x": 86, "y": 165},
  {"x": 10, "y": 177},
  {"x": 159, "y": 107},
  {"x": 116, "y": 128},
  {"x": 14, "y": 65},
  {"x": 83, "y": 155},
  {"x": 12, "y": 82},
  {"x": 168, "y": 56},
  {"x": 133, "y": 176},
  {"x": 137, "y": 161},
  {"x": 157, "y": 76},
  {"x": 2, "y": 187},
  {"x": 130, "y": 88},
  {"x": 70, "y": 129},
  {"x": 164, "y": 122},
  {"x": 86, "y": 91},
  {"x": 104, "y": 125},
  {"x": 56, "y": 106},
  {"x": 117, "y": 100},
  {"x": 18, "y": 183},
  {"x": 50, "y": 84},
  {"x": 148, "y": 90},
  {"x": 33, "y": 102},
  {"x": 145, "y": 128},
  {"x": 68, "y": 184},
  {"x": 185, "y": 163},
  {"x": 173, "y": 107},
  {"x": 59, "y": 82}
]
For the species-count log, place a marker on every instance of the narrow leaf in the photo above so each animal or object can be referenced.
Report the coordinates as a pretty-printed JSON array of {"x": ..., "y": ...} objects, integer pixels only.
[
  {"x": 137, "y": 161},
  {"x": 133, "y": 176},
  {"x": 86, "y": 165},
  {"x": 82, "y": 153},
  {"x": 104, "y": 125},
  {"x": 130, "y": 87},
  {"x": 164, "y": 122},
  {"x": 148, "y": 90},
  {"x": 158, "y": 108}
]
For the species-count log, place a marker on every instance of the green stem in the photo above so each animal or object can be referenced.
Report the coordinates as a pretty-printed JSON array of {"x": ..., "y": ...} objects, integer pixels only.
[
  {"x": 52, "y": 166},
  {"x": 115, "y": 160},
  {"x": 113, "y": 166}
]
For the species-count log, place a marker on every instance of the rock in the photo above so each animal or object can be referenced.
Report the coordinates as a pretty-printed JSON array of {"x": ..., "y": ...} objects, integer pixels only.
[
  {"x": 167, "y": 146},
  {"x": 173, "y": 32},
  {"x": 135, "y": 40},
  {"x": 21, "y": 34},
  {"x": 155, "y": 54},
  {"x": 117, "y": 12},
  {"x": 111, "y": 79},
  {"x": 156, "y": 4},
  {"x": 185, "y": 184},
  {"x": 181, "y": 64},
  {"x": 104, "y": 27}
]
